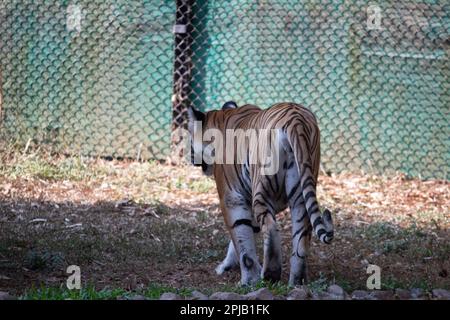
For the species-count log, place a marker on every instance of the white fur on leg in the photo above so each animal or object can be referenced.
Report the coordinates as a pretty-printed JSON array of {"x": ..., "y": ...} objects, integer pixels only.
[
  {"x": 231, "y": 260},
  {"x": 272, "y": 251},
  {"x": 248, "y": 261}
]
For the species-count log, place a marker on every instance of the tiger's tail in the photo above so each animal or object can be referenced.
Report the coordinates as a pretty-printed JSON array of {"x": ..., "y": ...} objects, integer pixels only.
[{"x": 321, "y": 224}]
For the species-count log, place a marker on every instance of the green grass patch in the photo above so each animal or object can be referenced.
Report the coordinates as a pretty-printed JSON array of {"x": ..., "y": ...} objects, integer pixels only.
[
  {"x": 153, "y": 291},
  {"x": 392, "y": 283},
  {"x": 319, "y": 285},
  {"x": 200, "y": 185},
  {"x": 33, "y": 166},
  {"x": 61, "y": 293}
]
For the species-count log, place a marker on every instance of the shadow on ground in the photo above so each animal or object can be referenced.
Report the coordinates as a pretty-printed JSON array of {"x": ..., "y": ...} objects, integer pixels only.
[{"x": 129, "y": 245}]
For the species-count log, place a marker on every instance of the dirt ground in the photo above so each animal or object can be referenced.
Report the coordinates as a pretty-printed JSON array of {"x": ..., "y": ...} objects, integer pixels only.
[{"x": 129, "y": 224}]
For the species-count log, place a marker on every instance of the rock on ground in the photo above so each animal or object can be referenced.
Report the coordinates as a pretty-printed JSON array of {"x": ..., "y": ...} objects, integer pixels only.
[
  {"x": 403, "y": 294},
  {"x": 417, "y": 293},
  {"x": 170, "y": 296},
  {"x": 197, "y": 295},
  {"x": 335, "y": 292},
  {"x": 361, "y": 295},
  {"x": 298, "y": 294},
  {"x": 226, "y": 296},
  {"x": 6, "y": 296},
  {"x": 261, "y": 294},
  {"x": 441, "y": 294},
  {"x": 382, "y": 294},
  {"x": 138, "y": 297}
]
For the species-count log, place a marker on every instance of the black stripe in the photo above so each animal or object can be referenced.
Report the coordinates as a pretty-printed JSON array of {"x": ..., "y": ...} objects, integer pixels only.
[
  {"x": 246, "y": 222},
  {"x": 280, "y": 117},
  {"x": 248, "y": 262},
  {"x": 293, "y": 190},
  {"x": 239, "y": 222},
  {"x": 307, "y": 165},
  {"x": 288, "y": 123},
  {"x": 308, "y": 181},
  {"x": 230, "y": 187},
  {"x": 302, "y": 201},
  {"x": 293, "y": 201},
  {"x": 263, "y": 202},
  {"x": 309, "y": 195},
  {"x": 320, "y": 233},
  {"x": 271, "y": 186},
  {"x": 264, "y": 217},
  {"x": 298, "y": 231},
  {"x": 259, "y": 202},
  {"x": 277, "y": 184},
  {"x": 303, "y": 234},
  {"x": 263, "y": 214},
  {"x": 305, "y": 214},
  {"x": 314, "y": 207},
  {"x": 291, "y": 165},
  {"x": 317, "y": 222}
]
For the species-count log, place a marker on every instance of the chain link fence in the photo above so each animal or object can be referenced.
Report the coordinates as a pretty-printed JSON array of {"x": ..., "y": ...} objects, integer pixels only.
[
  {"x": 113, "y": 78},
  {"x": 92, "y": 76}
]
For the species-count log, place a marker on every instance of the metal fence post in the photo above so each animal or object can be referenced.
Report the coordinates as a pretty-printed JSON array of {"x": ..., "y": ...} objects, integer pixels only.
[
  {"x": 182, "y": 62},
  {"x": 181, "y": 75}
]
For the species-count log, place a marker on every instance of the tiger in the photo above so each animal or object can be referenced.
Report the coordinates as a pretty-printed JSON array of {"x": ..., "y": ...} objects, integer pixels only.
[{"x": 250, "y": 200}]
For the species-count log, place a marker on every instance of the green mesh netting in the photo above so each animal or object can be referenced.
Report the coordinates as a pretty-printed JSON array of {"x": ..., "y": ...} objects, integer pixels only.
[
  {"x": 101, "y": 90},
  {"x": 382, "y": 96},
  {"x": 376, "y": 74}
]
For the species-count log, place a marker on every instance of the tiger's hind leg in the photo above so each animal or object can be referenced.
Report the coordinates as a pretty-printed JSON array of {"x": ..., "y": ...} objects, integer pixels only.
[
  {"x": 230, "y": 262},
  {"x": 239, "y": 220},
  {"x": 272, "y": 250},
  {"x": 301, "y": 228},
  {"x": 272, "y": 243}
]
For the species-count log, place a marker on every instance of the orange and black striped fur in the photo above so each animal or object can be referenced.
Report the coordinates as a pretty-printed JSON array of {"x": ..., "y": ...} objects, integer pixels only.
[{"x": 250, "y": 201}]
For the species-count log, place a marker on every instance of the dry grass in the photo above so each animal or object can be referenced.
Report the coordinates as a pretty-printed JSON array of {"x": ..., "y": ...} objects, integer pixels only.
[{"x": 130, "y": 224}]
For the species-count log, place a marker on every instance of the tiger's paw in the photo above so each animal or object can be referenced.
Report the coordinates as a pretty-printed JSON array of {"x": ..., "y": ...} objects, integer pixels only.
[
  {"x": 272, "y": 275},
  {"x": 297, "y": 280},
  {"x": 230, "y": 262},
  {"x": 250, "y": 275},
  {"x": 298, "y": 274},
  {"x": 222, "y": 268},
  {"x": 250, "y": 279}
]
